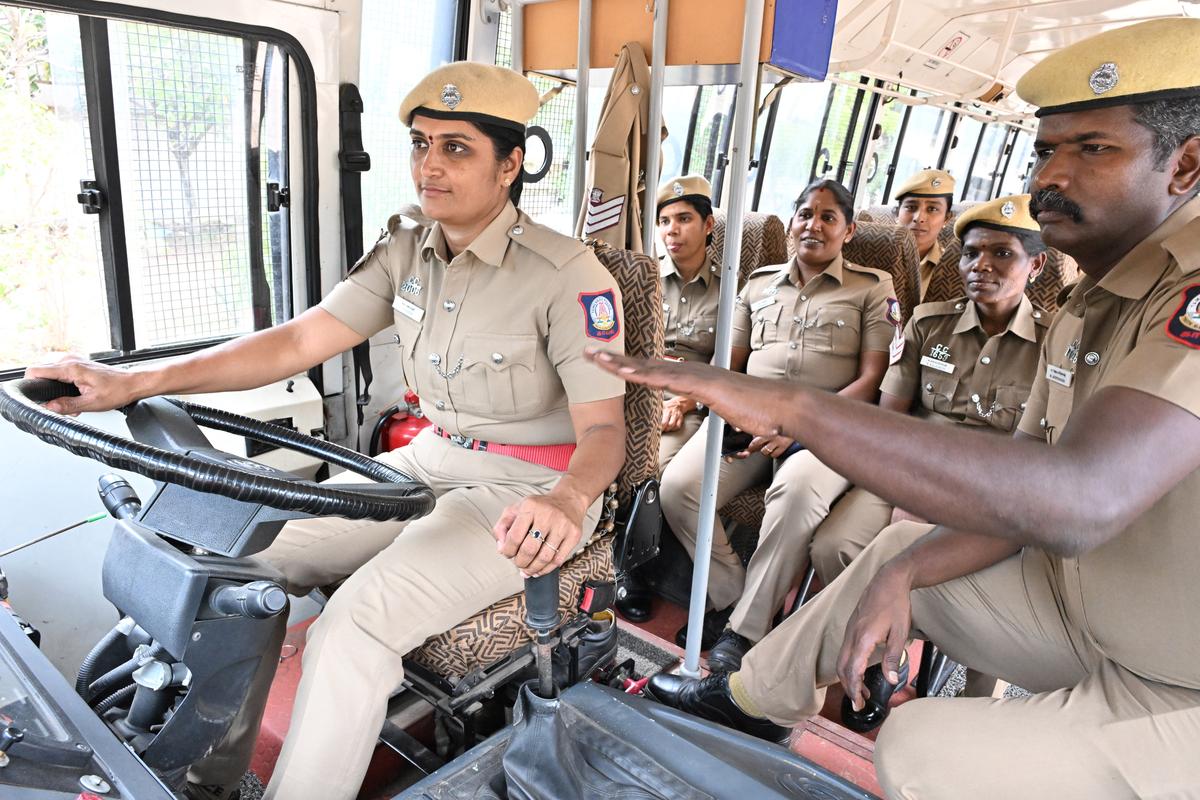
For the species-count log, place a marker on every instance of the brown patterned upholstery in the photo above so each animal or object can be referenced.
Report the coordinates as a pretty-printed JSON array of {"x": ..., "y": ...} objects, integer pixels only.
[
  {"x": 764, "y": 241},
  {"x": 946, "y": 284},
  {"x": 500, "y": 629},
  {"x": 885, "y": 215}
]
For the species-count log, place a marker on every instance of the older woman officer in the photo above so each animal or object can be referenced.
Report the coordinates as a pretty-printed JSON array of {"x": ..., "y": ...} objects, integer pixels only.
[
  {"x": 493, "y": 312},
  {"x": 968, "y": 361},
  {"x": 818, "y": 320}
]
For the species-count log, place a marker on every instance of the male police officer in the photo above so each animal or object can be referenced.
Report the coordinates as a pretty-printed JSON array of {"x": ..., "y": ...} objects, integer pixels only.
[{"x": 1075, "y": 575}]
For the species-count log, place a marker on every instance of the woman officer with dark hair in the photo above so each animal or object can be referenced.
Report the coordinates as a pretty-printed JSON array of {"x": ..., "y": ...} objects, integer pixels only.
[
  {"x": 818, "y": 320},
  {"x": 492, "y": 312}
]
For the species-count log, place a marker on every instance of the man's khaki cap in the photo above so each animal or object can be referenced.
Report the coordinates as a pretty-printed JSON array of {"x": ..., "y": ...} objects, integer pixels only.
[
  {"x": 473, "y": 92},
  {"x": 1152, "y": 60},
  {"x": 926, "y": 183},
  {"x": 1010, "y": 212},
  {"x": 684, "y": 187}
]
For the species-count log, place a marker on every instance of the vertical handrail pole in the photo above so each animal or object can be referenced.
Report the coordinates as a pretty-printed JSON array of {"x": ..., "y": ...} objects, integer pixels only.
[
  {"x": 517, "y": 16},
  {"x": 658, "y": 63},
  {"x": 739, "y": 167},
  {"x": 583, "y": 70}
]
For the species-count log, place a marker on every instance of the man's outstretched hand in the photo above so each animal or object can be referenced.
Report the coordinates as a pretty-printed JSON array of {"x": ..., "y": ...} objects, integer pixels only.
[{"x": 751, "y": 404}]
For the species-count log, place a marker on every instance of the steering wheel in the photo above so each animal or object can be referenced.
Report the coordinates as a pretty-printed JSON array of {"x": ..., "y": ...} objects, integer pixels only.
[{"x": 397, "y": 497}]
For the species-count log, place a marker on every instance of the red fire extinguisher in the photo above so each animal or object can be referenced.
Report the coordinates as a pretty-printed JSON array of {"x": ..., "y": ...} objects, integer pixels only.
[{"x": 398, "y": 425}]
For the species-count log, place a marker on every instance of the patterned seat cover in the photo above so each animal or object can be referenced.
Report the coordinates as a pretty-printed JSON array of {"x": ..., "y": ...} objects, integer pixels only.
[{"x": 500, "y": 629}]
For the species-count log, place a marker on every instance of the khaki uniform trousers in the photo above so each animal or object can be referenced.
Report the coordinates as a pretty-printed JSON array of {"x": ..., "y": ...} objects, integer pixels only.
[
  {"x": 1092, "y": 730},
  {"x": 853, "y": 524},
  {"x": 407, "y": 581},
  {"x": 672, "y": 442},
  {"x": 797, "y": 499}
]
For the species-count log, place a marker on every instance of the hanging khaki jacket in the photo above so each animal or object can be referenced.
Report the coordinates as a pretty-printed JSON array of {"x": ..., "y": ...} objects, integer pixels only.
[{"x": 612, "y": 208}]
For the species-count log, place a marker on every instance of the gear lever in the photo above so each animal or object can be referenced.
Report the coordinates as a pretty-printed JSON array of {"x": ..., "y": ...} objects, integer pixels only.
[{"x": 541, "y": 615}]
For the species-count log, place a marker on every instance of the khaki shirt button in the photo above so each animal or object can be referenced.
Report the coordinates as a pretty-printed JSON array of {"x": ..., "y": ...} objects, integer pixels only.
[
  {"x": 1022, "y": 406},
  {"x": 683, "y": 299},
  {"x": 929, "y": 387},
  {"x": 517, "y": 230},
  {"x": 435, "y": 359},
  {"x": 497, "y": 358},
  {"x": 797, "y": 319},
  {"x": 958, "y": 306},
  {"x": 710, "y": 330},
  {"x": 1042, "y": 422},
  {"x": 1092, "y": 359},
  {"x": 440, "y": 405},
  {"x": 985, "y": 360},
  {"x": 396, "y": 338},
  {"x": 975, "y": 398},
  {"x": 635, "y": 89},
  {"x": 1037, "y": 315},
  {"x": 793, "y": 346},
  {"x": 803, "y": 297},
  {"x": 841, "y": 324},
  {"x": 448, "y": 305}
]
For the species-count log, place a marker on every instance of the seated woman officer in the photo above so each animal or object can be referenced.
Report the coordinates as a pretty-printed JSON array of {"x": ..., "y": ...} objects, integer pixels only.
[
  {"x": 923, "y": 206},
  {"x": 493, "y": 312},
  {"x": 967, "y": 362},
  {"x": 818, "y": 320},
  {"x": 691, "y": 286}
]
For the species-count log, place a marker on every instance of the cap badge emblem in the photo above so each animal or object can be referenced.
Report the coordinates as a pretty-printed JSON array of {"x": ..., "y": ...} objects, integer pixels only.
[
  {"x": 451, "y": 96},
  {"x": 1104, "y": 78},
  {"x": 1008, "y": 209},
  {"x": 936, "y": 182},
  {"x": 677, "y": 188}
]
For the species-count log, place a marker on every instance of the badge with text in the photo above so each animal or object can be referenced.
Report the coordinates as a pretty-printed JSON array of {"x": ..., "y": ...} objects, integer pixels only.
[
  {"x": 939, "y": 359},
  {"x": 410, "y": 310},
  {"x": 1184, "y": 325},
  {"x": 758, "y": 305},
  {"x": 411, "y": 285},
  {"x": 600, "y": 315},
  {"x": 1062, "y": 377}
]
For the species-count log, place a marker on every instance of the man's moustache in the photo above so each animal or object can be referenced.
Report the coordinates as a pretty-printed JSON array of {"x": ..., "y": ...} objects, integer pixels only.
[{"x": 1050, "y": 200}]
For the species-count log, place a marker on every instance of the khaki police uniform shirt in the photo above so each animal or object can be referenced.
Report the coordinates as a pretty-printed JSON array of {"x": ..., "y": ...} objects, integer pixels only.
[
  {"x": 1136, "y": 595},
  {"x": 958, "y": 374},
  {"x": 689, "y": 311},
  {"x": 813, "y": 333},
  {"x": 929, "y": 265},
  {"x": 491, "y": 340}
]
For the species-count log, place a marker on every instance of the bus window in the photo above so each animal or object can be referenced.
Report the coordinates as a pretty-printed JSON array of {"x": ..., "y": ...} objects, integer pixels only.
[
  {"x": 923, "y": 140},
  {"x": 793, "y": 145},
  {"x": 888, "y": 120},
  {"x": 1019, "y": 161},
  {"x": 184, "y": 134},
  {"x": 966, "y": 139},
  {"x": 396, "y": 50},
  {"x": 986, "y": 164}
]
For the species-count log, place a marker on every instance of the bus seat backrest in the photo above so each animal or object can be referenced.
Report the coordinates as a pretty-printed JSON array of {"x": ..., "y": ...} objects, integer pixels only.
[
  {"x": 892, "y": 249},
  {"x": 764, "y": 241},
  {"x": 885, "y": 215}
]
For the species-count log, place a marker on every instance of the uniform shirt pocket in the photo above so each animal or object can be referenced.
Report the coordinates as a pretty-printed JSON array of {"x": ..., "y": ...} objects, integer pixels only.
[
  {"x": 704, "y": 337},
  {"x": 765, "y": 329},
  {"x": 1059, "y": 400},
  {"x": 499, "y": 374},
  {"x": 937, "y": 393},
  {"x": 837, "y": 330},
  {"x": 407, "y": 333},
  {"x": 1007, "y": 407}
]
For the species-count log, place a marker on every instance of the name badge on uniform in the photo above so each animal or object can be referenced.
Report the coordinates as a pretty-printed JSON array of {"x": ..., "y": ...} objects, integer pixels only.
[
  {"x": 1062, "y": 377},
  {"x": 763, "y": 303},
  {"x": 410, "y": 310},
  {"x": 940, "y": 366}
]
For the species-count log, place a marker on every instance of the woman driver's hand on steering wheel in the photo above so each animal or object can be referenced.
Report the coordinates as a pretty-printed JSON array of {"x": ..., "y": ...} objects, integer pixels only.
[
  {"x": 559, "y": 523},
  {"x": 101, "y": 387}
]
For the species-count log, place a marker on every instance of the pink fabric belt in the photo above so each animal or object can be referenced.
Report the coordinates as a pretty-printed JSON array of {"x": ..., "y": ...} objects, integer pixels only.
[{"x": 554, "y": 456}]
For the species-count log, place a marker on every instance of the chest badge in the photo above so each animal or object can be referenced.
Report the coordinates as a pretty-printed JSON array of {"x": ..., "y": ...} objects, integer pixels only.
[
  {"x": 939, "y": 359},
  {"x": 412, "y": 285},
  {"x": 600, "y": 315}
]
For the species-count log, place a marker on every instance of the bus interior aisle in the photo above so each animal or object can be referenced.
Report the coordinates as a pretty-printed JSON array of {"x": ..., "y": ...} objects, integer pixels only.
[{"x": 182, "y": 175}]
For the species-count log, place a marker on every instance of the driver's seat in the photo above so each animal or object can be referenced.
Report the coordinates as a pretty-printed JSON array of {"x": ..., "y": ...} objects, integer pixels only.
[{"x": 454, "y": 665}]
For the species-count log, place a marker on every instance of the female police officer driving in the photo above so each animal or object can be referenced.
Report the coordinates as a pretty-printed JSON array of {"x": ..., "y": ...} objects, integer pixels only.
[{"x": 493, "y": 312}]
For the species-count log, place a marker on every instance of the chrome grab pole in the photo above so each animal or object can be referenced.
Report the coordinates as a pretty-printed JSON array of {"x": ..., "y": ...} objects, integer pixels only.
[
  {"x": 658, "y": 61},
  {"x": 583, "y": 63}
]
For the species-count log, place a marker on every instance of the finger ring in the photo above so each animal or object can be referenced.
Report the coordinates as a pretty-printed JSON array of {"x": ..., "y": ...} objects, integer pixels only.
[
  {"x": 767, "y": 451},
  {"x": 535, "y": 533},
  {"x": 547, "y": 544}
]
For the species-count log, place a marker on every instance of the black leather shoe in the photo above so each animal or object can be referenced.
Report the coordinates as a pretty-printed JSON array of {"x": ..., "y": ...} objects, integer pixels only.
[
  {"x": 709, "y": 698},
  {"x": 876, "y": 709},
  {"x": 714, "y": 626},
  {"x": 634, "y": 600},
  {"x": 726, "y": 654}
]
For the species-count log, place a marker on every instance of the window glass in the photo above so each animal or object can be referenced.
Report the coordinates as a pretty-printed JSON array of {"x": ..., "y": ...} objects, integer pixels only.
[
  {"x": 966, "y": 136},
  {"x": 987, "y": 164},
  {"x": 789, "y": 163},
  {"x": 922, "y": 143},
  {"x": 1017, "y": 176},
  {"x": 843, "y": 131},
  {"x": 888, "y": 120},
  {"x": 51, "y": 273}
]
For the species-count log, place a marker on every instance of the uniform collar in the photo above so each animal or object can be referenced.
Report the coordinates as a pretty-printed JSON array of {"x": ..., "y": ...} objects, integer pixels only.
[
  {"x": 1141, "y": 267},
  {"x": 834, "y": 270},
  {"x": 934, "y": 256},
  {"x": 489, "y": 246},
  {"x": 667, "y": 268},
  {"x": 1021, "y": 323}
]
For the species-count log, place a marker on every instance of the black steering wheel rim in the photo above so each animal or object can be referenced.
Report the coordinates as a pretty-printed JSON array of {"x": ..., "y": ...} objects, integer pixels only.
[{"x": 21, "y": 404}]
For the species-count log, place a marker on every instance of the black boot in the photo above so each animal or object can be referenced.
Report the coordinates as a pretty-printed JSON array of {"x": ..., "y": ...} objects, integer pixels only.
[
  {"x": 876, "y": 709},
  {"x": 714, "y": 626},
  {"x": 726, "y": 654},
  {"x": 634, "y": 599},
  {"x": 710, "y": 699}
]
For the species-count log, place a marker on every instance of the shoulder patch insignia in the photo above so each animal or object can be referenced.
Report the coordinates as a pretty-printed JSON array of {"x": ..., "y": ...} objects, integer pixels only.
[
  {"x": 893, "y": 312},
  {"x": 600, "y": 315},
  {"x": 602, "y": 214},
  {"x": 1184, "y": 325}
]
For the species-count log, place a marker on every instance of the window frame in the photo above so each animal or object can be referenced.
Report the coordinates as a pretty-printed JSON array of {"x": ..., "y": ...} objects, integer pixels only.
[{"x": 93, "y": 15}]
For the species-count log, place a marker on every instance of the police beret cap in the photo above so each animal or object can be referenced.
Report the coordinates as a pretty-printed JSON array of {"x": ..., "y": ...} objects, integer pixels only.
[
  {"x": 1151, "y": 60},
  {"x": 1010, "y": 213},
  {"x": 473, "y": 92},
  {"x": 684, "y": 187},
  {"x": 926, "y": 183}
]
